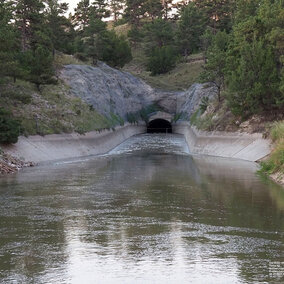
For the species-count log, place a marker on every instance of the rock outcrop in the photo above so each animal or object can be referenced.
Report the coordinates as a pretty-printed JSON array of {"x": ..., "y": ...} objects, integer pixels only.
[
  {"x": 109, "y": 90},
  {"x": 188, "y": 101}
]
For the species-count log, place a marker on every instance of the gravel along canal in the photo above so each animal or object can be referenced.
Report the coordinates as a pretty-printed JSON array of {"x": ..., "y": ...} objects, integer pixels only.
[{"x": 147, "y": 212}]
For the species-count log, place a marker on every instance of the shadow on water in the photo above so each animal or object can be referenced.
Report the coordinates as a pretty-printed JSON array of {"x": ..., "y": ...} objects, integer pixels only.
[{"x": 148, "y": 212}]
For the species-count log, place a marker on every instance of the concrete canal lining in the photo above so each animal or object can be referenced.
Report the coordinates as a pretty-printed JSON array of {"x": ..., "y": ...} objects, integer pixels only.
[
  {"x": 64, "y": 146},
  {"x": 250, "y": 147}
]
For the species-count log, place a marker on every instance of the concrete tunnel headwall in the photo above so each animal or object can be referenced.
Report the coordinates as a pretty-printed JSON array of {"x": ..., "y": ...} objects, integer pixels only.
[{"x": 160, "y": 122}]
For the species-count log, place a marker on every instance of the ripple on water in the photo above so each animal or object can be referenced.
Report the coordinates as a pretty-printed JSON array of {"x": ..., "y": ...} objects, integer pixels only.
[{"x": 153, "y": 143}]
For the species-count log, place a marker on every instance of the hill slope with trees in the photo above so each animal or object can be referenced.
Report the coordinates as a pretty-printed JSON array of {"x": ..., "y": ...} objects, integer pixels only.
[{"x": 240, "y": 47}]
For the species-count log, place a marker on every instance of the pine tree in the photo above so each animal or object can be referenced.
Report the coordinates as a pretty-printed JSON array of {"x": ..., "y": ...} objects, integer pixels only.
[
  {"x": 99, "y": 8},
  {"x": 29, "y": 14},
  {"x": 158, "y": 33},
  {"x": 62, "y": 32},
  {"x": 92, "y": 34},
  {"x": 219, "y": 13},
  {"x": 9, "y": 65},
  {"x": 41, "y": 66},
  {"x": 254, "y": 83},
  {"x": 214, "y": 70},
  {"x": 190, "y": 28},
  {"x": 134, "y": 12},
  {"x": 10, "y": 128},
  {"x": 36, "y": 43},
  {"x": 153, "y": 9},
  {"x": 255, "y": 59},
  {"x": 81, "y": 15}
]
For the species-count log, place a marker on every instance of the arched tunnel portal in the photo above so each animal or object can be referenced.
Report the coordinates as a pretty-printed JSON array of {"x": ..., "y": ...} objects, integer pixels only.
[{"x": 159, "y": 125}]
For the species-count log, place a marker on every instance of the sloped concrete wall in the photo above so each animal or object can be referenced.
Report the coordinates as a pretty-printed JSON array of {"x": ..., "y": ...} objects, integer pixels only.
[
  {"x": 250, "y": 147},
  {"x": 64, "y": 146}
]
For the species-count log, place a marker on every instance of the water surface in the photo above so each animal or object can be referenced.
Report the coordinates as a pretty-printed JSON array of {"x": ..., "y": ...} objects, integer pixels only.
[{"x": 147, "y": 212}]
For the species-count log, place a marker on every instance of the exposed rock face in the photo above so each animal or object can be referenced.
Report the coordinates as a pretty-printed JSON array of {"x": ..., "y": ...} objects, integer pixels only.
[
  {"x": 188, "y": 101},
  {"x": 112, "y": 91},
  {"x": 107, "y": 89}
]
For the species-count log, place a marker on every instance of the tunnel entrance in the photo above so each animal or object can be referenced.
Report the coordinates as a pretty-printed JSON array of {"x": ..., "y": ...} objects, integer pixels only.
[{"x": 159, "y": 126}]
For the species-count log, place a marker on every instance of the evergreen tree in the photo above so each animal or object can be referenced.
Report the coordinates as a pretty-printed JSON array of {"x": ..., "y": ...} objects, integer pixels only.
[
  {"x": 99, "y": 8},
  {"x": 254, "y": 83},
  {"x": 190, "y": 28},
  {"x": 90, "y": 40},
  {"x": 255, "y": 59},
  {"x": 153, "y": 9},
  {"x": 112, "y": 49},
  {"x": 214, "y": 70},
  {"x": 10, "y": 128},
  {"x": 219, "y": 13},
  {"x": 36, "y": 43},
  {"x": 134, "y": 12},
  {"x": 246, "y": 9},
  {"x": 41, "y": 71},
  {"x": 9, "y": 65},
  {"x": 29, "y": 18},
  {"x": 61, "y": 29},
  {"x": 81, "y": 15},
  {"x": 158, "y": 33}
]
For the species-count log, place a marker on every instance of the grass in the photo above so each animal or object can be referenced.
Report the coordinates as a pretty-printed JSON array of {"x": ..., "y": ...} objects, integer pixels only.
[
  {"x": 61, "y": 59},
  {"x": 275, "y": 162},
  {"x": 180, "y": 78},
  {"x": 277, "y": 131},
  {"x": 204, "y": 123},
  {"x": 121, "y": 30}
]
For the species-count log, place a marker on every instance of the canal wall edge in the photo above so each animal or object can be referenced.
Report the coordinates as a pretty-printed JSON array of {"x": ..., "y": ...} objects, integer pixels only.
[
  {"x": 63, "y": 146},
  {"x": 244, "y": 146}
]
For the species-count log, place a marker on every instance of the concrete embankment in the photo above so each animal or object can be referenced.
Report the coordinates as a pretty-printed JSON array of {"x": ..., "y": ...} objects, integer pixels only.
[
  {"x": 63, "y": 146},
  {"x": 250, "y": 147}
]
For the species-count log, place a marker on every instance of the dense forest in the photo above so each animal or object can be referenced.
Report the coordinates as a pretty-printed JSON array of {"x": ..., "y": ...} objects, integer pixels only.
[{"x": 242, "y": 42}]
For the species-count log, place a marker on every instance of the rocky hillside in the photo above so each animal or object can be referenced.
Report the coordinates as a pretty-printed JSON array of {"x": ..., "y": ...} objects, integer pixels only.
[{"x": 111, "y": 91}]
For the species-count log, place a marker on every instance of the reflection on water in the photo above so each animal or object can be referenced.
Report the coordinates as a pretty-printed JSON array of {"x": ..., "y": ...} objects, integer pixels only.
[{"x": 148, "y": 212}]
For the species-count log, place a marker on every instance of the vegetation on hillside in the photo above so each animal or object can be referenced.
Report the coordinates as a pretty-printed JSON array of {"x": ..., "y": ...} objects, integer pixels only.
[
  {"x": 238, "y": 45},
  {"x": 9, "y": 127},
  {"x": 274, "y": 165},
  {"x": 181, "y": 77},
  {"x": 52, "y": 110}
]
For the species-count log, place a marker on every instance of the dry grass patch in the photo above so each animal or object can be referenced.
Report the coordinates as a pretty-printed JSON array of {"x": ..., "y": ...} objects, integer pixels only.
[{"x": 180, "y": 78}]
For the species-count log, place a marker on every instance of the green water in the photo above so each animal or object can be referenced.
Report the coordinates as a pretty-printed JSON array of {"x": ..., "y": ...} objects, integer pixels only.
[{"x": 148, "y": 212}]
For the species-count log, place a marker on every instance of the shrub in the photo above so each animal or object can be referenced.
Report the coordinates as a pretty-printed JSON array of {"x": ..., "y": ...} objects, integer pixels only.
[
  {"x": 112, "y": 49},
  {"x": 17, "y": 95},
  {"x": 9, "y": 127},
  {"x": 162, "y": 60},
  {"x": 275, "y": 162},
  {"x": 116, "y": 119}
]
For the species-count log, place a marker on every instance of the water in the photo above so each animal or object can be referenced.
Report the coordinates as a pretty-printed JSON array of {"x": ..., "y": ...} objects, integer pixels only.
[{"x": 148, "y": 212}]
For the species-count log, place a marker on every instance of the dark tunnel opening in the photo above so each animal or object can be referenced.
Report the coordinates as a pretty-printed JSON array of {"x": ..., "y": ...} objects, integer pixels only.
[{"x": 159, "y": 126}]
